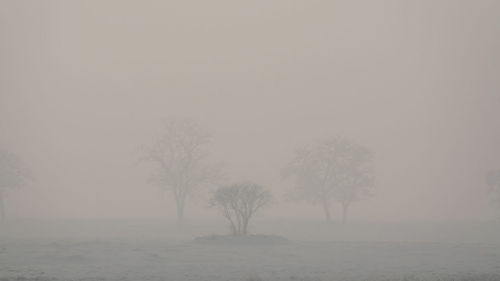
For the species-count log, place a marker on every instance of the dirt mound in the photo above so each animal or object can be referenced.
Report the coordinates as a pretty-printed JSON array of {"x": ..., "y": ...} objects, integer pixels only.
[{"x": 254, "y": 239}]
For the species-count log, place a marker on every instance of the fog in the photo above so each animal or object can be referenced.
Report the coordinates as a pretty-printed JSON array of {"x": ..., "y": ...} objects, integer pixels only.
[
  {"x": 84, "y": 84},
  {"x": 264, "y": 140}
]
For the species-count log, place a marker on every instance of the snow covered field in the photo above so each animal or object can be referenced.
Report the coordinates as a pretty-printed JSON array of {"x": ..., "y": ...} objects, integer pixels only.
[{"x": 148, "y": 250}]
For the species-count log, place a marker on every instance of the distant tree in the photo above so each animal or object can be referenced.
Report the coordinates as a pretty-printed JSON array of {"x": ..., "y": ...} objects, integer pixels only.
[
  {"x": 336, "y": 169},
  {"x": 12, "y": 175},
  {"x": 493, "y": 181},
  {"x": 239, "y": 202},
  {"x": 180, "y": 157}
]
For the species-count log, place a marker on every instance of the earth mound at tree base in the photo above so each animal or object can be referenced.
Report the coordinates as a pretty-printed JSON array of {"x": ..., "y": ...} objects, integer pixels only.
[{"x": 253, "y": 239}]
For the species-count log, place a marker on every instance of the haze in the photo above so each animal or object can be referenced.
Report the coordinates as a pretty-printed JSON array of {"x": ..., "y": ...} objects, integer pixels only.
[{"x": 85, "y": 83}]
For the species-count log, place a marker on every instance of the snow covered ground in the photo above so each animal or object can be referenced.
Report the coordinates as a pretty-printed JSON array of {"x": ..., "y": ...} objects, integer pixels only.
[{"x": 149, "y": 250}]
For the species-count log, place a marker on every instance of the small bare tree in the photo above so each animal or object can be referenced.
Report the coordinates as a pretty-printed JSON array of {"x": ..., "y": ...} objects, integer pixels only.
[
  {"x": 12, "y": 175},
  {"x": 239, "y": 202},
  {"x": 336, "y": 169},
  {"x": 180, "y": 156}
]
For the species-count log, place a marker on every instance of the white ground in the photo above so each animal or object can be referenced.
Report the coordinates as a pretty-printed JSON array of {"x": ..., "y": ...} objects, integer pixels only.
[{"x": 135, "y": 251}]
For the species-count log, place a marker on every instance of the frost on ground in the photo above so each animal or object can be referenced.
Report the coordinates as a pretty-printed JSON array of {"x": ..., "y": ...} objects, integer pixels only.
[
  {"x": 262, "y": 258},
  {"x": 139, "y": 260}
]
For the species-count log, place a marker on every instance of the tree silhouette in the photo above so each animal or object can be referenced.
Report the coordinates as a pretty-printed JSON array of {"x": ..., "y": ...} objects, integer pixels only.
[
  {"x": 238, "y": 203},
  {"x": 336, "y": 169},
  {"x": 180, "y": 156}
]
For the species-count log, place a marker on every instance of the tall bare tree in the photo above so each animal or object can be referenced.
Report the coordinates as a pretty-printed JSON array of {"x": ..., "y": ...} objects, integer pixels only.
[
  {"x": 239, "y": 202},
  {"x": 180, "y": 157},
  {"x": 12, "y": 175},
  {"x": 336, "y": 169}
]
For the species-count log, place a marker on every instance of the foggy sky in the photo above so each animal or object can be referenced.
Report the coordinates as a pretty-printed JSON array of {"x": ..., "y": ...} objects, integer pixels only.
[{"x": 85, "y": 83}]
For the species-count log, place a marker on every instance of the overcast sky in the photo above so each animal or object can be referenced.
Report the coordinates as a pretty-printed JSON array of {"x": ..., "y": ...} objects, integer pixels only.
[{"x": 85, "y": 83}]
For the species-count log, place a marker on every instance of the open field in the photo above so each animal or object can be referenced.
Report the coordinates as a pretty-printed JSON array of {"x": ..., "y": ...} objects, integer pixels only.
[{"x": 149, "y": 250}]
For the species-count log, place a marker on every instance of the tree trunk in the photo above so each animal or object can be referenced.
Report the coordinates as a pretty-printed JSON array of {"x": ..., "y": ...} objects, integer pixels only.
[
  {"x": 345, "y": 208},
  {"x": 245, "y": 226},
  {"x": 234, "y": 232},
  {"x": 180, "y": 203},
  {"x": 232, "y": 226},
  {"x": 180, "y": 214},
  {"x": 326, "y": 209},
  {"x": 238, "y": 230},
  {"x": 2, "y": 206}
]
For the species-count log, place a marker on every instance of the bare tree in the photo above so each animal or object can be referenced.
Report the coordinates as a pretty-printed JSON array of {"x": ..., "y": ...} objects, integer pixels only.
[
  {"x": 493, "y": 181},
  {"x": 180, "y": 155},
  {"x": 336, "y": 169},
  {"x": 12, "y": 175},
  {"x": 239, "y": 202}
]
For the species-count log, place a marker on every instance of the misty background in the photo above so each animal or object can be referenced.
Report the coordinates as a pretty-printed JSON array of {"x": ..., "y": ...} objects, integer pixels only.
[{"x": 85, "y": 83}]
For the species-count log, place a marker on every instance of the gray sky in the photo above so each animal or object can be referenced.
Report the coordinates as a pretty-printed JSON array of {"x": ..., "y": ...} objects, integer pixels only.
[{"x": 85, "y": 83}]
